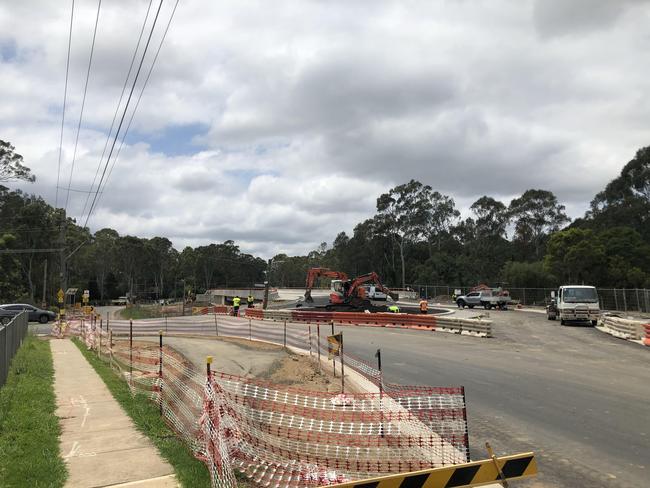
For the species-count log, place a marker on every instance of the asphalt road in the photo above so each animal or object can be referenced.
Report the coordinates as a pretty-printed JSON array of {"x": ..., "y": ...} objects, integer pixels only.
[{"x": 578, "y": 398}]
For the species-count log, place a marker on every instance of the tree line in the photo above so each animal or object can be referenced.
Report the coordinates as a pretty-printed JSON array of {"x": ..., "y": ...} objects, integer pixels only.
[{"x": 417, "y": 236}]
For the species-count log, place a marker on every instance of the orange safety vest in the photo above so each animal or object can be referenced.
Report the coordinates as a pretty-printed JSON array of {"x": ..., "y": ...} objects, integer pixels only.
[{"x": 423, "y": 305}]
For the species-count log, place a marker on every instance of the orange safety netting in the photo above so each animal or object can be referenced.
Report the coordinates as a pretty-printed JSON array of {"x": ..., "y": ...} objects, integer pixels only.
[{"x": 277, "y": 435}]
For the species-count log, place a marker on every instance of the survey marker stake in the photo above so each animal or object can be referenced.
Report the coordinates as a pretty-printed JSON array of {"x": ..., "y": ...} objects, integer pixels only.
[{"x": 504, "y": 481}]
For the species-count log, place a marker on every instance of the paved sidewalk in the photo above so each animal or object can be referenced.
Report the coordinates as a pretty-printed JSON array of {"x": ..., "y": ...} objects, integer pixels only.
[{"x": 99, "y": 442}]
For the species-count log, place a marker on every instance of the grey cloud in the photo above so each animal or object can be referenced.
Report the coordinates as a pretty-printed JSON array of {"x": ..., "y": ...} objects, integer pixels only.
[{"x": 561, "y": 17}]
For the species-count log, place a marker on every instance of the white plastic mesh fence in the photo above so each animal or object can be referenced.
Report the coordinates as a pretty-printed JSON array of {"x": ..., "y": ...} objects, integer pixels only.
[{"x": 280, "y": 436}]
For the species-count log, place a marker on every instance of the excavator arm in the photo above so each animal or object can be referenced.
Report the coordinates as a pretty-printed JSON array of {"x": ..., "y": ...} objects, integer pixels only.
[
  {"x": 314, "y": 273},
  {"x": 361, "y": 280}
]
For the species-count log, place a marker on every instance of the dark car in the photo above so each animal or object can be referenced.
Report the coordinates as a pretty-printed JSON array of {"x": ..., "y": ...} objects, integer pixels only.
[{"x": 35, "y": 314}]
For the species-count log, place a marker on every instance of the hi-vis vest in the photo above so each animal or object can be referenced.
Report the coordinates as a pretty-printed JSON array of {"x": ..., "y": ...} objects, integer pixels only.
[
  {"x": 393, "y": 308},
  {"x": 250, "y": 299},
  {"x": 235, "y": 301}
]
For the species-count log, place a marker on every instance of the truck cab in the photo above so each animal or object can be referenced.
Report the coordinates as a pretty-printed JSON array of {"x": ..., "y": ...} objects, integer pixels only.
[{"x": 574, "y": 303}]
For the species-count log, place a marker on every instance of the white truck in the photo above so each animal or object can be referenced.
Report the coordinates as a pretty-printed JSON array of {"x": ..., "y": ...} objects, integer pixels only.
[
  {"x": 574, "y": 303},
  {"x": 486, "y": 298}
]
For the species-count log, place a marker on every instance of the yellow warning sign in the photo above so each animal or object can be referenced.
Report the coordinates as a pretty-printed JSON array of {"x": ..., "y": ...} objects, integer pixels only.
[
  {"x": 60, "y": 295},
  {"x": 334, "y": 345}
]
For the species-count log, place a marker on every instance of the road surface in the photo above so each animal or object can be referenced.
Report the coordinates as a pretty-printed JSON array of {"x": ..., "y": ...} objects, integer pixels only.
[{"x": 578, "y": 398}]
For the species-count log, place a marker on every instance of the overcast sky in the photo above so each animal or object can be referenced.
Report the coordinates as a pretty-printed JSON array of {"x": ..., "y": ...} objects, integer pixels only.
[{"x": 278, "y": 123}]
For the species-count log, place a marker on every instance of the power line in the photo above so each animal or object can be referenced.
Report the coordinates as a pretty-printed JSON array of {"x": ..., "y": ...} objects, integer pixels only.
[
  {"x": 144, "y": 53},
  {"x": 117, "y": 109},
  {"x": 83, "y": 103},
  {"x": 144, "y": 85},
  {"x": 65, "y": 96}
]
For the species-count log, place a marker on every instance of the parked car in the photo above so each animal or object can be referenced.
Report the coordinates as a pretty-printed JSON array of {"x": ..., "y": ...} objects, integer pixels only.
[{"x": 35, "y": 314}]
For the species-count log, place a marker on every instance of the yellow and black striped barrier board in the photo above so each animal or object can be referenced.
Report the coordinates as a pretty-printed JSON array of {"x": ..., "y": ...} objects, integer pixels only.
[{"x": 476, "y": 473}]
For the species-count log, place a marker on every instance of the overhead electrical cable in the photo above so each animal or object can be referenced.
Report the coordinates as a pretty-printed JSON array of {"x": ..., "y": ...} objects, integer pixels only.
[
  {"x": 65, "y": 97},
  {"x": 144, "y": 85},
  {"x": 83, "y": 103},
  {"x": 126, "y": 106},
  {"x": 117, "y": 108}
]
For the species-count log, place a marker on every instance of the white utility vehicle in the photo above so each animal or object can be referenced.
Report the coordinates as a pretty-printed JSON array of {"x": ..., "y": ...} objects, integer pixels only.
[
  {"x": 485, "y": 297},
  {"x": 574, "y": 303}
]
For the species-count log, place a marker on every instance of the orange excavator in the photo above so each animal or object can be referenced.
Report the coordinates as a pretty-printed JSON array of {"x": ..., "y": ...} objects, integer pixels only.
[
  {"x": 345, "y": 293},
  {"x": 314, "y": 273},
  {"x": 353, "y": 293}
]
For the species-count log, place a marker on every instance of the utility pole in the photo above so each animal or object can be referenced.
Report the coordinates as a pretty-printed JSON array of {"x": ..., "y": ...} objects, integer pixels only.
[
  {"x": 63, "y": 272},
  {"x": 45, "y": 285}
]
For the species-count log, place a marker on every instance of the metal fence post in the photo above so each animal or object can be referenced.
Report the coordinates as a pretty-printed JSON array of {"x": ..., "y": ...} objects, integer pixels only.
[
  {"x": 309, "y": 325},
  {"x": 250, "y": 330},
  {"x": 285, "y": 334},
  {"x": 131, "y": 351},
  {"x": 318, "y": 342},
  {"x": 160, "y": 368},
  {"x": 624, "y": 299},
  {"x": 110, "y": 347},
  {"x": 216, "y": 326},
  {"x": 342, "y": 366}
]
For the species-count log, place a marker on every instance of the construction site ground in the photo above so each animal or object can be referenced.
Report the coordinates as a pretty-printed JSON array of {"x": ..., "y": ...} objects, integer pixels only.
[
  {"x": 576, "y": 397},
  {"x": 253, "y": 359}
]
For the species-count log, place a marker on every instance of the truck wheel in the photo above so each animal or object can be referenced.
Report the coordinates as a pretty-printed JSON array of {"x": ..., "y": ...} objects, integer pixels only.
[
  {"x": 562, "y": 322},
  {"x": 461, "y": 303},
  {"x": 549, "y": 317},
  {"x": 594, "y": 323},
  {"x": 486, "y": 305},
  {"x": 470, "y": 306},
  {"x": 5, "y": 320},
  {"x": 43, "y": 319}
]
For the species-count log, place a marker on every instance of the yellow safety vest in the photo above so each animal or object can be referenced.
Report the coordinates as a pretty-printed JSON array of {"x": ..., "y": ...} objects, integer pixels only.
[
  {"x": 250, "y": 299},
  {"x": 235, "y": 301},
  {"x": 393, "y": 309}
]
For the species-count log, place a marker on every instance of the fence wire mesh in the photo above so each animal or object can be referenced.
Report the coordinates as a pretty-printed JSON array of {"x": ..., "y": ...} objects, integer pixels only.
[
  {"x": 615, "y": 299},
  {"x": 277, "y": 435}
]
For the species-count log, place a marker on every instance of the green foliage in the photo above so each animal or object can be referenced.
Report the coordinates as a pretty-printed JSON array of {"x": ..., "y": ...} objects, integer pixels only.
[
  {"x": 626, "y": 199},
  {"x": 11, "y": 165},
  {"x": 29, "y": 427},
  {"x": 614, "y": 257},
  {"x": 527, "y": 275},
  {"x": 535, "y": 215}
]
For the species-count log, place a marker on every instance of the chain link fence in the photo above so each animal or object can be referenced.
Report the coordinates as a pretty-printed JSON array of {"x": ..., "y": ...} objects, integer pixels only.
[
  {"x": 617, "y": 299},
  {"x": 11, "y": 337}
]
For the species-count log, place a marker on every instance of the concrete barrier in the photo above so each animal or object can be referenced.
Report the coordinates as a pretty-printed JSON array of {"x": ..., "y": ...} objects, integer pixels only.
[
  {"x": 623, "y": 328},
  {"x": 478, "y": 326}
]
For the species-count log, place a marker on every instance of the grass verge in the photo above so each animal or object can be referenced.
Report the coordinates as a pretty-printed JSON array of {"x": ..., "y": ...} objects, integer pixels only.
[
  {"x": 29, "y": 427},
  {"x": 189, "y": 471},
  {"x": 137, "y": 312}
]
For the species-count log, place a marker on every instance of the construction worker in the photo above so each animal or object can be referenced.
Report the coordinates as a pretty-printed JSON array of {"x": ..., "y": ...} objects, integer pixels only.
[
  {"x": 424, "y": 306},
  {"x": 393, "y": 309},
  {"x": 250, "y": 301},
  {"x": 235, "y": 306}
]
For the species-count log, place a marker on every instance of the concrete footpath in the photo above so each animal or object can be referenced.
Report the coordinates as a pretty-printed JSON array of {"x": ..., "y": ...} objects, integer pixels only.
[{"x": 99, "y": 441}]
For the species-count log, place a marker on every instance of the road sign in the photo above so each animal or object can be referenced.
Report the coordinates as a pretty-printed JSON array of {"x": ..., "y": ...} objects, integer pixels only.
[
  {"x": 86, "y": 296},
  {"x": 334, "y": 345},
  {"x": 60, "y": 295}
]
